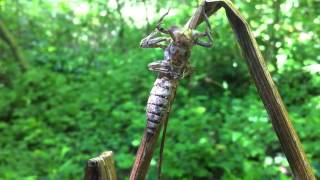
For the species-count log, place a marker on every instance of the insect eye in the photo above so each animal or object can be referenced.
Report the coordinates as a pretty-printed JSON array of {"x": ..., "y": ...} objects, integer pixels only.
[{"x": 173, "y": 49}]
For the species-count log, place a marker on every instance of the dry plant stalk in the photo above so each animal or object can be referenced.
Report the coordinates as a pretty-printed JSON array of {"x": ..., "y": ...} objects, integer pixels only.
[{"x": 267, "y": 90}]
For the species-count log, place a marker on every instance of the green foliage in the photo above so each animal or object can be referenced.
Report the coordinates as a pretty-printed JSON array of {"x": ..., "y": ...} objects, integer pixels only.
[{"x": 88, "y": 84}]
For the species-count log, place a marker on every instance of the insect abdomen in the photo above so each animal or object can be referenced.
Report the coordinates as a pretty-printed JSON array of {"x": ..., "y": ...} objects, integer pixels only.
[{"x": 159, "y": 103}]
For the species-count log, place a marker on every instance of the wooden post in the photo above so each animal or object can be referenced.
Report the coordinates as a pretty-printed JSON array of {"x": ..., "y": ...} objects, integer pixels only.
[{"x": 101, "y": 168}]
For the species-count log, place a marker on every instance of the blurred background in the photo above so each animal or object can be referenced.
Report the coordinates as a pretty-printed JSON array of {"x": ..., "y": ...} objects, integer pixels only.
[{"x": 74, "y": 83}]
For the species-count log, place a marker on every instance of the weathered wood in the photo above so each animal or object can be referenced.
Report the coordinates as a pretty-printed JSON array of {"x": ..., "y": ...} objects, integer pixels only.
[
  {"x": 267, "y": 90},
  {"x": 101, "y": 168},
  {"x": 8, "y": 38}
]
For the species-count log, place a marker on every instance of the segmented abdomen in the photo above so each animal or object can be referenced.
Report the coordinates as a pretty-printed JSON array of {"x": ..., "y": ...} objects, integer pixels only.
[{"x": 159, "y": 102}]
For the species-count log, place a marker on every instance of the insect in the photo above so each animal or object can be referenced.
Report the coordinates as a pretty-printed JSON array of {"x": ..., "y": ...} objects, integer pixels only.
[{"x": 171, "y": 69}]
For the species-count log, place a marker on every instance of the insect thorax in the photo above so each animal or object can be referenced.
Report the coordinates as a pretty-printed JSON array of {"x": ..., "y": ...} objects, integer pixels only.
[{"x": 176, "y": 55}]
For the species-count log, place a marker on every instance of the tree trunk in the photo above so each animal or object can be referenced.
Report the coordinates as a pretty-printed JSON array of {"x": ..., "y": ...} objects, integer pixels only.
[{"x": 8, "y": 38}]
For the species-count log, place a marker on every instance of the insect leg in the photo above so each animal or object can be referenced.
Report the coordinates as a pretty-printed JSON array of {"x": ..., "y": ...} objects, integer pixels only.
[
  {"x": 162, "y": 29},
  {"x": 208, "y": 28},
  {"x": 154, "y": 42},
  {"x": 159, "y": 27},
  {"x": 198, "y": 35},
  {"x": 187, "y": 71},
  {"x": 159, "y": 66},
  {"x": 207, "y": 33},
  {"x": 203, "y": 44},
  {"x": 151, "y": 41}
]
